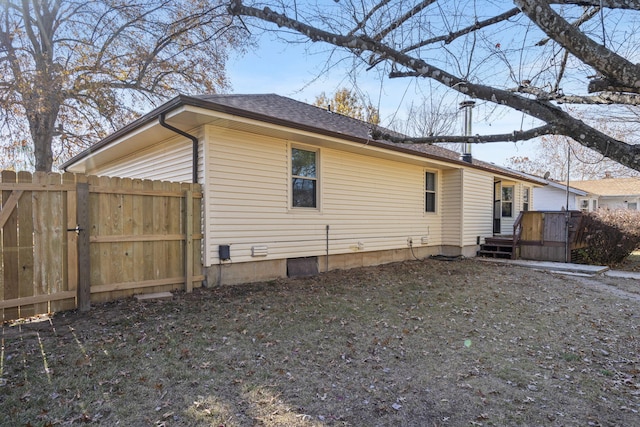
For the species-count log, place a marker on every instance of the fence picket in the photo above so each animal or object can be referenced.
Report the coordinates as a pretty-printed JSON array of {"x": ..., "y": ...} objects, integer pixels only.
[
  {"x": 57, "y": 243},
  {"x": 126, "y": 247},
  {"x": 10, "y": 247},
  {"x": 40, "y": 217},
  {"x": 70, "y": 207},
  {"x": 25, "y": 242},
  {"x": 137, "y": 229}
]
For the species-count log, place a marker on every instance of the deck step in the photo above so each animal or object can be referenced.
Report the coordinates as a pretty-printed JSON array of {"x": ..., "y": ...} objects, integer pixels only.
[
  {"x": 493, "y": 254},
  {"x": 496, "y": 247}
]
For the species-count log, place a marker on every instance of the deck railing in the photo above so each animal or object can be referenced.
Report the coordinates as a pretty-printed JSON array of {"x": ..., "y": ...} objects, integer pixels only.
[{"x": 517, "y": 232}]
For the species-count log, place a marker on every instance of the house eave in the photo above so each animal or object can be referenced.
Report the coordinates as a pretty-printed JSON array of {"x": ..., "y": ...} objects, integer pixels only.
[
  {"x": 182, "y": 105},
  {"x": 563, "y": 187}
]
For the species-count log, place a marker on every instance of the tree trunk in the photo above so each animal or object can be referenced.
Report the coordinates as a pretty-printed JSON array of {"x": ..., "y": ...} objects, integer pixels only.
[{"x": 42, "y": 127}]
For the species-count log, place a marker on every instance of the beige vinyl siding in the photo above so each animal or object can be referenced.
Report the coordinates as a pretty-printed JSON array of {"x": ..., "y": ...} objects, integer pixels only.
[
  {"x": 369, "y": 204},
  {"x": 477, "y": 205},
  {"x": 170, "y": 160},
  {"x": 451, "y": 207}
]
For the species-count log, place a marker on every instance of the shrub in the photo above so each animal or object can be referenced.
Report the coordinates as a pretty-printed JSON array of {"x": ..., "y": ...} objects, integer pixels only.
[{"x": 612, "y": 235}]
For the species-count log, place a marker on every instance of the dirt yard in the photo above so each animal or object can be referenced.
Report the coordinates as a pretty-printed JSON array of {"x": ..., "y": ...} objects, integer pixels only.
[{"x": 422, "y": 343}]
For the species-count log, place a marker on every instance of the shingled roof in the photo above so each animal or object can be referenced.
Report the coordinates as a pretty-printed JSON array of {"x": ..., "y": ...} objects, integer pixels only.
[
  {"x": 287, "y": 109},
  {"x": 283, "y": 111},
  {"x": 610, "y": 186},
  {"x": 290, "y": 110}
]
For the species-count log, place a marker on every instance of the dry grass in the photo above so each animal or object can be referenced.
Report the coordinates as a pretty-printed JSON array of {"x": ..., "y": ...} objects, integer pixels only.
[
  {"x": 631, "y": 263},
  {"x": 426, "y": 343}
]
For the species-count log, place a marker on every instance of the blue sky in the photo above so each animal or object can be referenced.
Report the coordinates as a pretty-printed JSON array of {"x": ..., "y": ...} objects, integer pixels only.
[{"x": 298, "y": 71}]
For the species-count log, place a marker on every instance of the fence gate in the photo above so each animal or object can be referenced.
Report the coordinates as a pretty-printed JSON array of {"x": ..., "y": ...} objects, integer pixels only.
[
  {"x": 36, "y": 247},
  {"x": 70, "y": 239}
]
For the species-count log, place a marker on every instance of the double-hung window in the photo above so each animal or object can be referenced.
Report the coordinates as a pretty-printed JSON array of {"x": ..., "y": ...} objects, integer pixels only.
[
  {"x": 304, "y": 178},
  {"x": 507, "y": 201},
  {"x": 430, "y": 192}
]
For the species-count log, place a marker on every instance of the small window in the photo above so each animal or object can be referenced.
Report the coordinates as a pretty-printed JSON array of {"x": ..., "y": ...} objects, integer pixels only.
[
  {"x": 507, "y": 201},
  {"x": 595, "y": 205},
  {"x": 430, "y": 192},
  {"x": 304, "y": 178},
  {"x": 633, "y": 206},
  {"x": 584, "y": 205},
  {"x": 525, "y": 199}
]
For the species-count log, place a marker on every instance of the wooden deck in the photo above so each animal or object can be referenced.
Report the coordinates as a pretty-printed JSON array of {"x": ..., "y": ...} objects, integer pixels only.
[{"x": 540, "y": 236}]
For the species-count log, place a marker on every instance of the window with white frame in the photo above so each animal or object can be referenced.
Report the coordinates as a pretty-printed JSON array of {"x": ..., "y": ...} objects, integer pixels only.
[
  {"x": 584, "y": 205},
  {"x": 507, "y": 201},
  {"x": 430, "y": 192},
  {"x": 304, "y": 178},
  {"x": 526, "y": 194}
]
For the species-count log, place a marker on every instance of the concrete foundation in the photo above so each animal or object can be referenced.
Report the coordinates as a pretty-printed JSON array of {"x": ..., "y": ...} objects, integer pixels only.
[{"x": 259, "y": 271}]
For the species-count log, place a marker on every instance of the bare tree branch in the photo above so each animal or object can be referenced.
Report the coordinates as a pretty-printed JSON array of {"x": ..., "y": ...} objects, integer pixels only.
[
  {"x": 368, "y": 16},
  {"x": 541, "y": 107},
  {"x": 607, "y": 62},
  {"x": 605, "y": 98},
  {"x": 586, "y": 16},
  {"x": 81, "y": 63},
  {"x": 395, "y": 24},
  {"x": 612, "y": 4},
  {"x": 476, "y": 139},
  {"x": 448, "y": 38},
  {"x": 602, "y": 84}
]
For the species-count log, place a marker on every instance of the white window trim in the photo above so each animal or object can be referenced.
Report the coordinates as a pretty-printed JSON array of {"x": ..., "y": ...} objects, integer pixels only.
[
  {"x": 437, "y": 191},
  {"x": 582, "y": 202},
  {"x": 512, "y": 201},
  {"x": 300, "y": 209}
]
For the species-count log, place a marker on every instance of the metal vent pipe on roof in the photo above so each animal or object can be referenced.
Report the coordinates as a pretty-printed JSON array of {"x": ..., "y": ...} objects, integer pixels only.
[{"x": 468, "y": 119}]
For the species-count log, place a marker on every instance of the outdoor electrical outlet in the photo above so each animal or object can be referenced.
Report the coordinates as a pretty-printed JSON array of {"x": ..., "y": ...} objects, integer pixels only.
[{"x": 409, "y": 241}]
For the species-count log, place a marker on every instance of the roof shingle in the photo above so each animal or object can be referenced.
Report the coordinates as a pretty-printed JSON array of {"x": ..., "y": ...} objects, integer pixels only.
[{"x": 610, "y": 186}]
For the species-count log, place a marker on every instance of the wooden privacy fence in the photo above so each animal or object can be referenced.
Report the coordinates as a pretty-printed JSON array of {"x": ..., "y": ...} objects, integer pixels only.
[
  {"x": 549, "y": 236},
  {"x": 70, "y": 239}
]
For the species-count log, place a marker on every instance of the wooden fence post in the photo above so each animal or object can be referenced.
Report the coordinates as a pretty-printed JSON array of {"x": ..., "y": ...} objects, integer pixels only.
[
  {"x": 84, "y": 257},
  {"x": 188, "y": 242}
]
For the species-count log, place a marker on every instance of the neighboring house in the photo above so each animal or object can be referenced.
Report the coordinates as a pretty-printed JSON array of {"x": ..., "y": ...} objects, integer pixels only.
[
  {"x": 553, "y": 197},
  {"x": 289, "y": 187},
  {"x": 609, "y": 193}
]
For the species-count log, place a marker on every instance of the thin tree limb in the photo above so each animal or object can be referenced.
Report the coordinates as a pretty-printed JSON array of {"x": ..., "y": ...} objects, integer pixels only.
[
  {"x": 586, "y": 16},
  {"x": 448, "y": 38},
  {"x": 476, "y": 139},
  {"x": 607, "y": 62},
  {"x": 555, "y": 119},
  {"x": 402, "y": 19},
  {"x": 605, "y": 98}
]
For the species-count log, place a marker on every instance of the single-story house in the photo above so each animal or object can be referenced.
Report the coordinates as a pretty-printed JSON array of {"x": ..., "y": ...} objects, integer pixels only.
[
  {"x": 289, "y": 187},
  {"x": 609, "y": 193},
  {"x": 553, "y": 197},
  {"x": 587, "y": 196}
]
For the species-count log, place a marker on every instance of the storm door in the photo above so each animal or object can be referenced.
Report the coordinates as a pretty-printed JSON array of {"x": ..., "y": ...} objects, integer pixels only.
[{"x": 497, "y": 206}]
